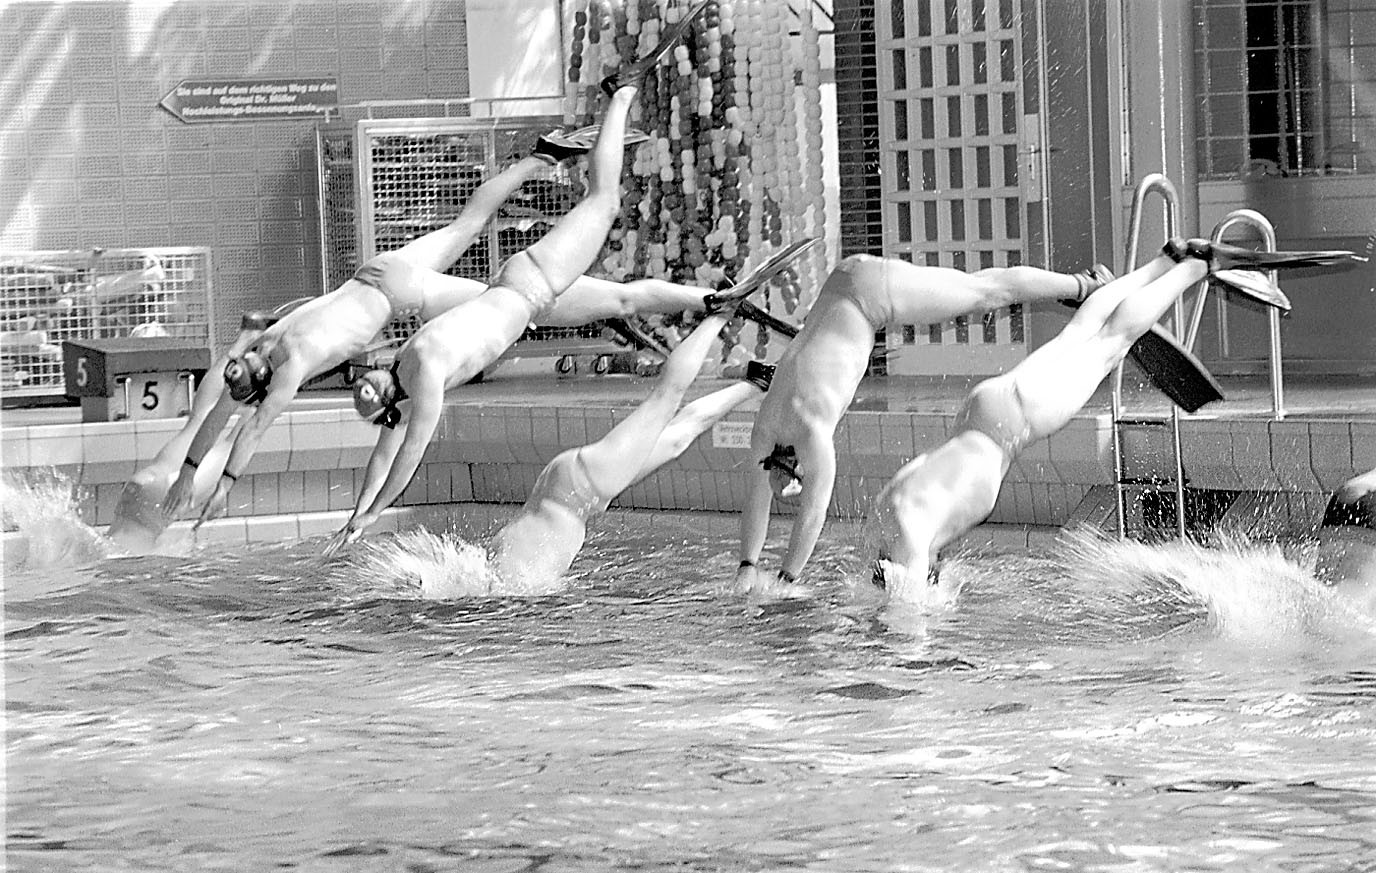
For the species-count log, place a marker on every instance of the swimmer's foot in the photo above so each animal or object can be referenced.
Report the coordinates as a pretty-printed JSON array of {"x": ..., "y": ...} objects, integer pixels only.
[
  {"x": 631, "y": 331},
  {"x": 750, "y": 312},
  {"x": 560, "y": 145},
  {"x": 631, "y": 73},
  {"x": 1090, "y": 280},
  {"x": 759, "y": 374},
  {"x": 757, "y": 278}
]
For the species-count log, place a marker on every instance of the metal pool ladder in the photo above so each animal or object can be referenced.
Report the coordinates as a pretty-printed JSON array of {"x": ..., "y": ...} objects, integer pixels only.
[{"x": 1122, "y": 424}]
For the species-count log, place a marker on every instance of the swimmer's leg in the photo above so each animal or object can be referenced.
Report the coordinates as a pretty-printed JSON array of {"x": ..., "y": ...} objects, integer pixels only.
[
  {"x": 923, "y": 295},
  {"x": 589, "y": 299},
  {"x": 692, "y": 421},
  {"x": 619, "y": 458},
  {"x": 440, "y": 249},
  {"x": 571, "y": 246},
  {"x": 1057, "y": 379}
]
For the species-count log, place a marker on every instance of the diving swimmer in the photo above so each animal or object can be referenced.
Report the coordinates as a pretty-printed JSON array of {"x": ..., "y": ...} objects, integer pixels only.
[
  {"x": 816, "y": 380},
  {"x": 540, "y": 543},
  {"x": 940, "y": 495}
]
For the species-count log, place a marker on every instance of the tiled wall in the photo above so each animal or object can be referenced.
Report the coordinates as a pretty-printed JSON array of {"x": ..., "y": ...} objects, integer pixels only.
[
  {"x": 90, "y": 159},
  {"x": 312, "y": 461}
]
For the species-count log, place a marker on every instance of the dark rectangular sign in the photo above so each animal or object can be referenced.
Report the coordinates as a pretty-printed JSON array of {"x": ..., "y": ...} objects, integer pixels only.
[{"x": 195, "y": 100}]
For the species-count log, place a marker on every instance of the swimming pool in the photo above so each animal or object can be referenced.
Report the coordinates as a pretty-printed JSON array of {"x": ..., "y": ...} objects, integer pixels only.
[{"x": 1117, "y": 708}]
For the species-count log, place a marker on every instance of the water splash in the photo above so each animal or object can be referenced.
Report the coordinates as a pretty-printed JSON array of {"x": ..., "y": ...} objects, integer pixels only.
[
  {"x": 418, "y": 563},
  {"x": 1253, "y": 592},
  {"x": 43, "y": 525}
]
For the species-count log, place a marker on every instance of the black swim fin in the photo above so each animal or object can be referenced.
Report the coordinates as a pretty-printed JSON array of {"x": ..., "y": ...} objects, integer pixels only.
[
  {"x": 633, "y": 71},
  {"x": 1174, "y": 370},
  {"x": 750, "y": 312},
  {"x": 1171, "y": 367}
]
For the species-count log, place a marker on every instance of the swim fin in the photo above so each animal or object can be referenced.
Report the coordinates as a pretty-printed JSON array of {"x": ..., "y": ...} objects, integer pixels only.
[
  {"x": 758, "y": 277},
  {"x": 1174, "y": 370},
  {"x": 636, "y": 70},
  {"x": 1257, "y": 286},
  {"x": 1171, "y": 367},
  {"x": 1224, "y": 256},
  {"x": 750, "y": 312}
]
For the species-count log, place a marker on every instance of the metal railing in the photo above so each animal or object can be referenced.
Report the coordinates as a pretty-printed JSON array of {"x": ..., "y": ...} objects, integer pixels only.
[
  {"x": 1154, "y": 183},
  {"x": 1262, "y": 225},
  {"x": 1159, "y": 184}
]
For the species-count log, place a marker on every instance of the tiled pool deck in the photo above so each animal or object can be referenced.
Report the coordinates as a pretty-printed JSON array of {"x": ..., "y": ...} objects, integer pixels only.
[{"x": 495, "y": 437}]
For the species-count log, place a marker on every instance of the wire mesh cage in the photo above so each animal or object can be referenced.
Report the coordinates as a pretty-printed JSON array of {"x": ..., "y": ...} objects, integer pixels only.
[
  {"x": 47, "y": 297},
  {"x": 385, "y": 182}
]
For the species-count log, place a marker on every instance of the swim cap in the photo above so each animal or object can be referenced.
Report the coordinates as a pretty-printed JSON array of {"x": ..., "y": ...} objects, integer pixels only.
[
  {"x": 376, "y": 392},
  {"x": 248, "y": 377}
]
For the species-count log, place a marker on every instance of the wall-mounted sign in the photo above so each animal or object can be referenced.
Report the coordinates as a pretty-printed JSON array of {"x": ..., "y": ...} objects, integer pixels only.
[{"x": 252, "y": 99}]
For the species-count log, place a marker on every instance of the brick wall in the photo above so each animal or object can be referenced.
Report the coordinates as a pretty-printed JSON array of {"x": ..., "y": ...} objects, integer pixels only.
[{"x": 88, "y": 158}]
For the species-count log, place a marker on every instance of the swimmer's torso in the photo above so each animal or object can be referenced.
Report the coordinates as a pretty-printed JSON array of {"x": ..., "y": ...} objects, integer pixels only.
[
  {"x": 943, "y": 492},
  {"x": 816, "y": 379},
  {"x": 462, "y": 341},
  {"x": 328, "y": 330},
  {"x": 542, "y": 541}
]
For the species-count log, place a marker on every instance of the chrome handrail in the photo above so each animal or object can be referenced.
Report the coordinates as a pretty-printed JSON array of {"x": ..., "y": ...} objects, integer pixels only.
[
  {"x": 1159, "y": 184},
  {"x": 1262, "y": 225}
]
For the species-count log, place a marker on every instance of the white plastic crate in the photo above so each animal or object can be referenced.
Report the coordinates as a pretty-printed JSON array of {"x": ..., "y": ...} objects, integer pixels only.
[{"x": 47, "y": 297}]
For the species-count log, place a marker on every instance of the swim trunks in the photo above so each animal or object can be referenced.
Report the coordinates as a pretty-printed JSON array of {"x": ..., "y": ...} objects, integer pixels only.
[
  {"x": 565, "y": 481},
  {"x": 995, "y": 411},
  {"x": 401, "y": 282},
  {"x": 867, "y": 286},
  {"x": 521, "y": 274}
]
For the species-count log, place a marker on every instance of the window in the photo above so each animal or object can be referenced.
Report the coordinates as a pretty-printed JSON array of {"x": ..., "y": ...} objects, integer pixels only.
[{"x": 1285, "y": 87}]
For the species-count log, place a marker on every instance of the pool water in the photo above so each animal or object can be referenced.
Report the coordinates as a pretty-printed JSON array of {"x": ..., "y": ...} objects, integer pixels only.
[{"x": 1106, "y": 707}]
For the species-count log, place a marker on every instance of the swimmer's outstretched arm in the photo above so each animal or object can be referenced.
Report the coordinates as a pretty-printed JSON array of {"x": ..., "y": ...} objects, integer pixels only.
[
  {"x": 208, "y": 394},
  {"x": 420, "y": 415},
  {"x": 286, "y": 381},
  {"x": 816, "y": 456},
  {"x": 754, "y": 524},
  {"x": 379, "y": 463},
  {"x": 182, "y": 495}
]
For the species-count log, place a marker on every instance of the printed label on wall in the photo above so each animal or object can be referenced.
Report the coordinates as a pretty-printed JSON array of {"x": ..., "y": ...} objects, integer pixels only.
[
  {"x": 252, "y": 99},
  {"x": 731, "y": 434}
]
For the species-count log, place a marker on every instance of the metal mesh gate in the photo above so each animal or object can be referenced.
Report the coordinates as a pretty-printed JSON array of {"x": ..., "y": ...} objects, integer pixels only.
[
  {"x": 50, "y": 296},
  {"x": 385, "y": 182},
  {"x": 950, "y": 88}
]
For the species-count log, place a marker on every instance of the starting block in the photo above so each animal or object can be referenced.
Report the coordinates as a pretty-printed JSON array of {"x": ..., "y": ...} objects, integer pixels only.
[{"x": 133, "y": 378}]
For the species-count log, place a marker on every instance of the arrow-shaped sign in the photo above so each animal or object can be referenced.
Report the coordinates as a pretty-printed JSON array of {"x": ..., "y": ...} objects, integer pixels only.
[{"x": 195, "y": 100}]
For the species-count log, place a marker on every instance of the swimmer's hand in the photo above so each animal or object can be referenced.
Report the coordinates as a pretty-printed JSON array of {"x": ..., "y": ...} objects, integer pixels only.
[
  {"x": 181, "y": 495},
  {"x": 347, "y": 535},
  {"x": 215, "y": 506},
  {"x": 748, "y": 579}
]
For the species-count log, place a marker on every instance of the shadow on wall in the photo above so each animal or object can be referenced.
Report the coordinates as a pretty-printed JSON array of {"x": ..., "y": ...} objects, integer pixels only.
[{"x": 88, "y": 157}]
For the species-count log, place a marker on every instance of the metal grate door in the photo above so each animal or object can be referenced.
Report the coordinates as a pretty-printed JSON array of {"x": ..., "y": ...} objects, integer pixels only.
[
  {"x": 415, "y": 175},
  {"x": 950, "y": 92}
]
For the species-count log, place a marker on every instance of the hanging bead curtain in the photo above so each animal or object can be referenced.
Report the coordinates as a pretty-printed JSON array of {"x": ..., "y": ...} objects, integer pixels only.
[{"x": 733, "y": 169}]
